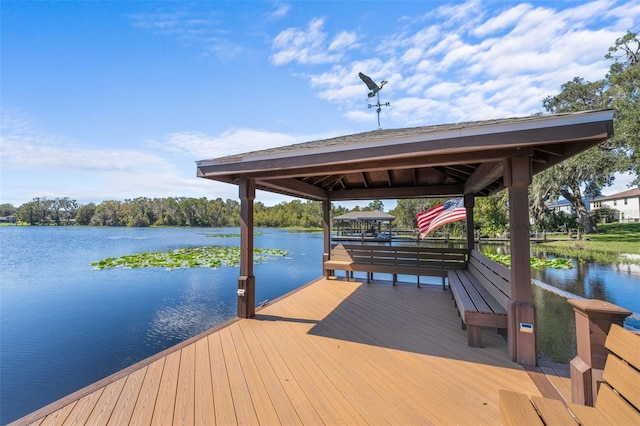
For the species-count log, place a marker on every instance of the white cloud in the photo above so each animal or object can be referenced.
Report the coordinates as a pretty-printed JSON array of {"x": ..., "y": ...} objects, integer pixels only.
[
  {"x": 471, "y": 60},
  {"x": 502, "y": 21},
  {"x": 36, "y": 164},
  {"x": 344, "y": 40},
  {"x": 205, "y": 30},
  {"x": 309, "y": 46},
  {"x": 281, "y": 10},
  {"x": 232, "y": 141}
]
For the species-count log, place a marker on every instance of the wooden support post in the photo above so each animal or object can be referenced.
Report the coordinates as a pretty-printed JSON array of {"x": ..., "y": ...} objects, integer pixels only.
[
  {"x": 246, "y": 281},
  {"x": 469, "y": 202},
  {"x": 593, "y": 321},
  {"x": 326, "y": 227},
  {"x": 522, "y": 330}
]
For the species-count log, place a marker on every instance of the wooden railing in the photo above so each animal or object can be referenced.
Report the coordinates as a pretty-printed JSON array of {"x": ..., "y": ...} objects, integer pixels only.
[{"x": 395, "y": 260}]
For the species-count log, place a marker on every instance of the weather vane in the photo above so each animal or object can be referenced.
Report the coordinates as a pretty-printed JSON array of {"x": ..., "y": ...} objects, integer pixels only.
[{"x": 375, "y": 91}]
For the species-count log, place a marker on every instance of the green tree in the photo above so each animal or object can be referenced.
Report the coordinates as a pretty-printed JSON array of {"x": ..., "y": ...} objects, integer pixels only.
[
  {"x": 108, "y": 213},
  {"x": 624, "y": 92},
  {"x": 374, "y": 205},
  {"x": 584, "y": 175},
  {"x": 31, "y": 212},
  {"x": 85, "y": 213},
  {"x": 7, "y": 209},
  {"x": 491, "y": 214}
]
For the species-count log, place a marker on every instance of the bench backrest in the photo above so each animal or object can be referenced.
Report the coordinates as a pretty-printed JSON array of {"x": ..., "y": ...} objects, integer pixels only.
[
  {"x": 619, "y": 396},
  {"x": 444, "y": 258},
  {"x": 494, "y": 276},
  {"x": 340, "y": 253}
]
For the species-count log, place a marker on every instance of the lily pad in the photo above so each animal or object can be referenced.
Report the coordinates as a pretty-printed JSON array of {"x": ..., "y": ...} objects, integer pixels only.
[{"x": 192, "y": 257}]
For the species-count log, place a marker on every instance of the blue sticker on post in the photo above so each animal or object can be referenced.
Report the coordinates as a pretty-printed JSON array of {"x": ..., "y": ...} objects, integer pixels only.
[{"x": 525, "y": 327}]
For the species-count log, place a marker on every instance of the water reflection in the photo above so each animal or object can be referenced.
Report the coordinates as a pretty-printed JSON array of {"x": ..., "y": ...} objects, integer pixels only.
[
  {"x": 618, "y": 284},
  {"x": 556, "y": 326}
]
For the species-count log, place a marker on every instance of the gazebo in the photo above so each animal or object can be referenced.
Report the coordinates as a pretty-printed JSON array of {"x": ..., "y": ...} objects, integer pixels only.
[
  {"x": 471, "y": 159},
  {"x": 366, "y": 225}
]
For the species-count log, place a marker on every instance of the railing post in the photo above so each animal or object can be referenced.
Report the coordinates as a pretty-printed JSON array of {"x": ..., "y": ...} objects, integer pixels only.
[
  {"x": 593, "y": 321},
  {"x": 326, "y": 227},
  {"x": 246, "y": 280}
]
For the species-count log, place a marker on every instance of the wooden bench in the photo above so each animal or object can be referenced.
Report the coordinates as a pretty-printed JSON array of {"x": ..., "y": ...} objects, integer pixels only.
[
  {"x": 617, "y": 402},
  {"x": 481, "y": 292},
  {"x": 395, "y": 260}
]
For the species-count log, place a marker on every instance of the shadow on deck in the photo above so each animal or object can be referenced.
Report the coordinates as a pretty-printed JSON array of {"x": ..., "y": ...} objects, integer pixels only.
[{"x": 333, "y": 352}]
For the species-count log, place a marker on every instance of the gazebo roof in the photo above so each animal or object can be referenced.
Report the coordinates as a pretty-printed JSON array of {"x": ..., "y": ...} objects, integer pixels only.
[
  {"x": 431, "y": 161},
  {"x": 366, "y": 215}
]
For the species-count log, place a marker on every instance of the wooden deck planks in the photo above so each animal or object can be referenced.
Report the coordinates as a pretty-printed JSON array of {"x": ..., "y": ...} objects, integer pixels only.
[
  {"x": 282, "y": 404},
  {"x": 107, "y": 402},
  {"x": 184, "y": 411},
  {"x": 145, "y": 404},
  {"x": 203, "y": 398},
  {"x": 243, "y": 404},
  {"x": 57, "y": 417},
  {"x": 259, "y": 393},
  {"x": 305, "y": 410},
  {"x": 335, "y": 352},
  {"x": 123, "y": 410},
  {"x": 222, "y": 398},
  {"x": 165, "y": 402}
]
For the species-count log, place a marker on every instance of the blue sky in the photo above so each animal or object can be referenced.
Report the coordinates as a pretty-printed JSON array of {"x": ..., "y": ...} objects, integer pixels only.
[{"x": 117, "y": 100}]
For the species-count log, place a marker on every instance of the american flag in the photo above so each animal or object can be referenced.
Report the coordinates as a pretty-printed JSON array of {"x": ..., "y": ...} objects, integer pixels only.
[{"x": 450, "y": 211}]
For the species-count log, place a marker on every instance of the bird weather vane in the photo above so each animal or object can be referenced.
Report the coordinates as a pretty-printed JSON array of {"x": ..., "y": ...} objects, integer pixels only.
[{"x": 375, "y": 91}]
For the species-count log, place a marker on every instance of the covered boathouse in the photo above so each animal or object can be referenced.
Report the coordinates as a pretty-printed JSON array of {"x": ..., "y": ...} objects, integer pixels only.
[
  {"x": 338, "y": 351},
  {"x": 471, "y": 160}
]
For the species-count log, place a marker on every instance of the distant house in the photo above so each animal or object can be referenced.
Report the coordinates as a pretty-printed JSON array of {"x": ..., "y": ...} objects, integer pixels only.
[
  {"x": 561, "y": 206},
  {"x": 627, "y": 203},
  {"x": 8, "y": 219}
]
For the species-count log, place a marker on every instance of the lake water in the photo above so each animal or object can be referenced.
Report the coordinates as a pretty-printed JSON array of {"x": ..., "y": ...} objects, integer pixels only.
[{"x": 64, "y": 325}]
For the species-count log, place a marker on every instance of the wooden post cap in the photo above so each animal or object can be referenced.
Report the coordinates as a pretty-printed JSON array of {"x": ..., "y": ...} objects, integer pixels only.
[{"x": 597, "y": 307}]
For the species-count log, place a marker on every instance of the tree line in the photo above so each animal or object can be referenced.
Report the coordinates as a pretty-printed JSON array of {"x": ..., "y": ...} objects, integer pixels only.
[
  {"x": 491, "y": 214},
  {"x": 171, "y": 211}
]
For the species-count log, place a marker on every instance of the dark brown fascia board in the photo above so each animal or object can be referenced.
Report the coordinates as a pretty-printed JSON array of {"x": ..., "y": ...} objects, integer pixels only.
[
  {"x": 448, "y": 146},
  {"x": 294, "y": 187},
  {"x": 371, "y": 165},
  {"x": 397, "y": 193}
]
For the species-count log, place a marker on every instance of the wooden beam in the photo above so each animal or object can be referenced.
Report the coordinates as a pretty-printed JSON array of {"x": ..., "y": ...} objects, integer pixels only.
[
  {"x": 294, "y": 187},
  {"x": 364, "y": 179},
  {"x": 485, "y": 174},
  {"x": 397, "y": 192},
  {"x": 246, "y": 281}
]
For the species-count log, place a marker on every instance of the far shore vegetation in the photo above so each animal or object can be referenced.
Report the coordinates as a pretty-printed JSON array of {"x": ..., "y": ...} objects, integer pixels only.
[{"x": 613, "y": 243}]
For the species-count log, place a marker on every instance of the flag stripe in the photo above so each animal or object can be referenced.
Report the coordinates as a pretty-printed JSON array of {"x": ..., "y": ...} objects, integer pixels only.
[
  {"x": 450, "y": 211},
  {"x": 425, "y": 218}
]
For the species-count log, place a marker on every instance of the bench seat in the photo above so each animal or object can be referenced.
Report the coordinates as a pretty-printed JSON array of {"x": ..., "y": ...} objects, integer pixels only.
[{"x": 481, "y": 293}]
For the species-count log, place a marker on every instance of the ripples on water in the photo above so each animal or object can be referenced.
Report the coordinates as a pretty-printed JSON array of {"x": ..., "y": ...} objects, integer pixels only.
[{"x": 65, "y": 325}]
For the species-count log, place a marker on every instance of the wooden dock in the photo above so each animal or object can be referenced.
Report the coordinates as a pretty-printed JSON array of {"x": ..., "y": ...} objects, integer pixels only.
[{"x": 333, "y": 352}]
